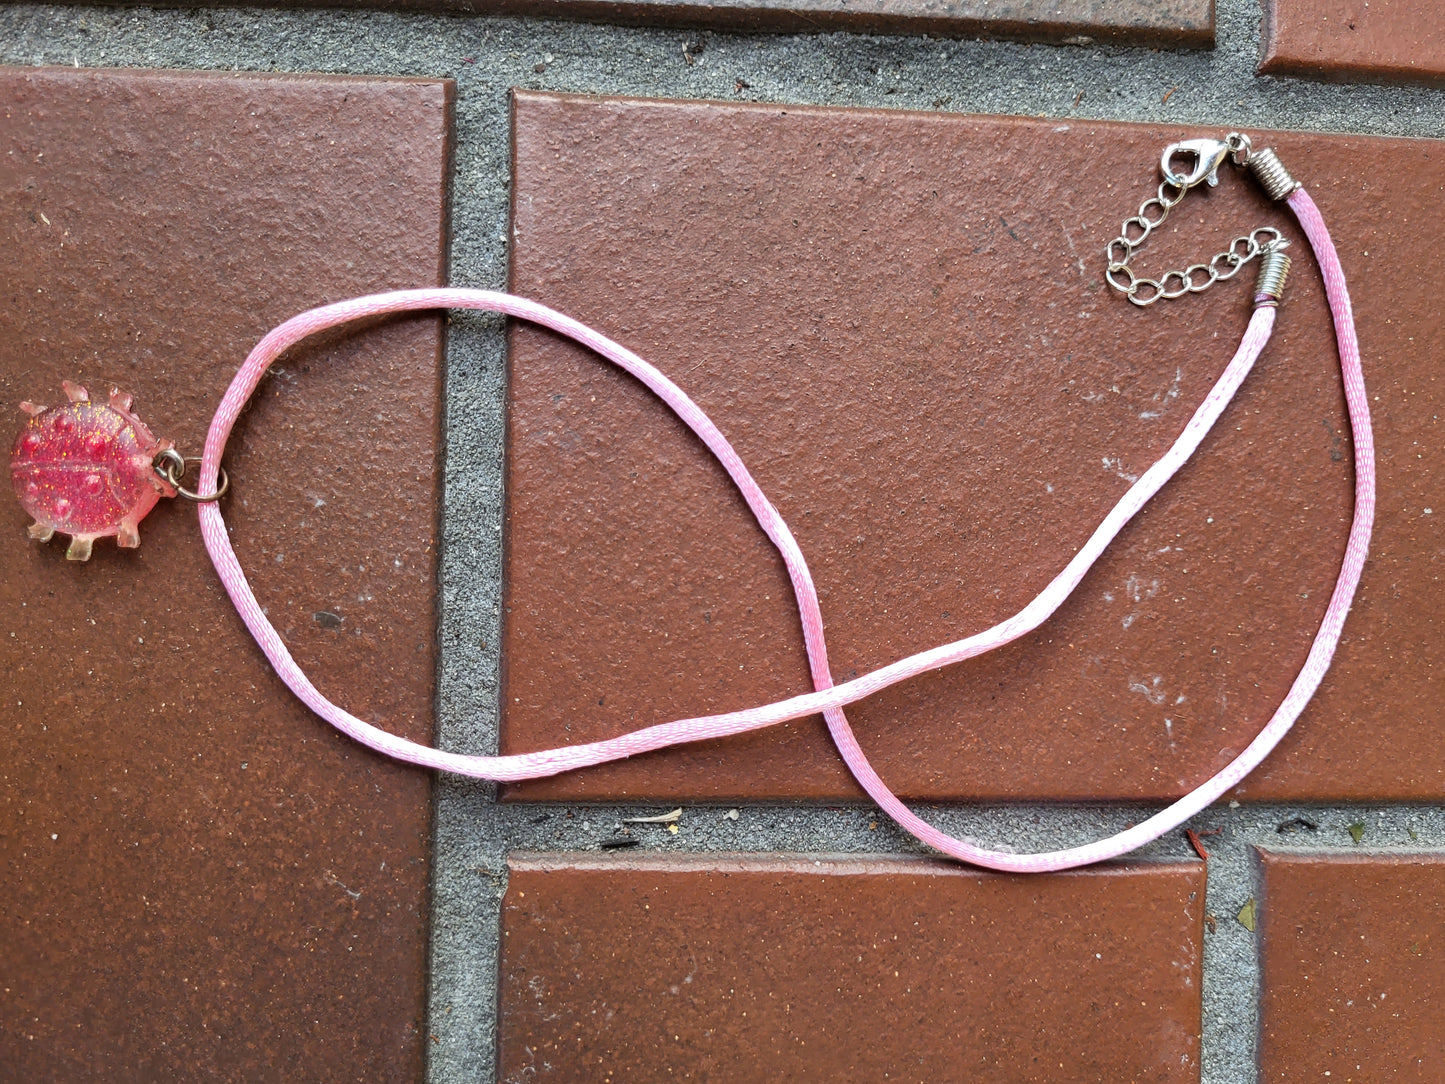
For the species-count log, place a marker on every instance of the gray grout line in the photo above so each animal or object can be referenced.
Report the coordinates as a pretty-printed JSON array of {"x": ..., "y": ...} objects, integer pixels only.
[
  {"x": 1229, "y": 1034},
  {"x": 1216, "y": 87},
  {"x": 861, "y": 829},
  {"x": 489, "y": 55},
  {"x": 469, "y": 875}
]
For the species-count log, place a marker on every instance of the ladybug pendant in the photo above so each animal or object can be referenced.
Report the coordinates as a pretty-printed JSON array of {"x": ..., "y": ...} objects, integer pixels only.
[{"x": 86, "y": 469}]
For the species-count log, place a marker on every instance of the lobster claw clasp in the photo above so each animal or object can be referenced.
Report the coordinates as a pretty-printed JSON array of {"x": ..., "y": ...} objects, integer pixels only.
[{"x": 1208, "y": 154}]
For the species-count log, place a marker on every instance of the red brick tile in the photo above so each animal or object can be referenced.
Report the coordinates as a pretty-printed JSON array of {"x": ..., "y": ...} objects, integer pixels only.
[
  {"x": 737, "y": 968},
  {"x": 1170, "y": 24},
  {"x": 1395, "y": 41},
  {"x": 900, "y": 322},
  {"x": 1173, "y": 24},
  {"x": 203, "y": 881},
  {"x": 1353, "y": 967}
]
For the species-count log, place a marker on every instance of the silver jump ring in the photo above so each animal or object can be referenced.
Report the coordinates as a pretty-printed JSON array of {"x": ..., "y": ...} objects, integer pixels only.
[
  {"x": 1274, "y": 236},
  {"x": 171, "y": 466},
  {"x": 1163, "y": 211},
  {"x": 1168, "y": 200}
]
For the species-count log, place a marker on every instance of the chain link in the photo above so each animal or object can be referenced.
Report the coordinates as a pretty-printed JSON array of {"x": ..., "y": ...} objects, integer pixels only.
[{"x": 1195, "y": 278}]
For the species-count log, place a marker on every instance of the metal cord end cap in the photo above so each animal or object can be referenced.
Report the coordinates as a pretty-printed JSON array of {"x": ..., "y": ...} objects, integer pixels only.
[
  {"x": 1273, "y": 270},
  {"x": 1271, "y": 174}
]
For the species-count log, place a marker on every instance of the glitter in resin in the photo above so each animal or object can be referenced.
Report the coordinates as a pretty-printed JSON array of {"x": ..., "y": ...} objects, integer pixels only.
[{"x": 84, "y": 469}]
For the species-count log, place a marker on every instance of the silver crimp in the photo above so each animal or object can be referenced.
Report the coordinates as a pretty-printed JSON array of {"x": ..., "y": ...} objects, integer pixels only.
[
  {"x": 1273, "y": 270},
  {"x": 1271, "y": 174},
  {"x": 1208, "y": 155}
]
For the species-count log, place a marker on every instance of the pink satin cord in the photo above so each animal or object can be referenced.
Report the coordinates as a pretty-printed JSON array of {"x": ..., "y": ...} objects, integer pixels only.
[{"x": 829, "y": 699}]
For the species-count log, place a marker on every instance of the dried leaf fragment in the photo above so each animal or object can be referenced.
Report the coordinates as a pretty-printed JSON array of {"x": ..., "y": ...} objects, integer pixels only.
[
  {"x": 1357, "y": 831},
  {"x": 1248, "y": 914}
]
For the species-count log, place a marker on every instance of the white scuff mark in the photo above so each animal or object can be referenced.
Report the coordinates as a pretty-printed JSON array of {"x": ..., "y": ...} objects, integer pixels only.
[
  {"x": 1151, "y": 690},
  {"x": 1138, "y": 588},
  {"x": 1165, "y": 398},
  {"x": 1116, "y": 464},
  {"x": 332, "y": 879},
  {"x": 687, "y": 979},
  {"x": 1083, "y": 267}
]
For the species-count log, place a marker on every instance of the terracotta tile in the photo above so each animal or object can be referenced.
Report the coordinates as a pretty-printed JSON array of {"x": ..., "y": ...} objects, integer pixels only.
[
  {"x": 203, "y": 881},
  {"x": 1353, "y": 967},
  {"x": 900, "y": 322},
  {"x": 1401, "y": 41},
  {"x": 1171, "y": 24},
  {"x": 1174, "y": 24},
  {"x": 746, "y": 968}
]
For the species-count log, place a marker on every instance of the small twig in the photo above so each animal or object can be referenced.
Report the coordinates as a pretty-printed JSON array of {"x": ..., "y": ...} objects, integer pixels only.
[
  {"x": 1167, "y": 95},
  {"x": 1079, "y": 97},
  {"x": 1193, "y": 838},
  {"x": 661, "y": 818}
]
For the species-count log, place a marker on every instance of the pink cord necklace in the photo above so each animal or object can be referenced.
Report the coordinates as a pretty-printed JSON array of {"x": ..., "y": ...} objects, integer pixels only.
[{"x": 91, "y": 471}]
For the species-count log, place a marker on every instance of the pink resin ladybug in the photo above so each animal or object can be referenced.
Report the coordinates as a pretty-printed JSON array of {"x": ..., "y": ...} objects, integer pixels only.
[{"x": 85, "y": 469}]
